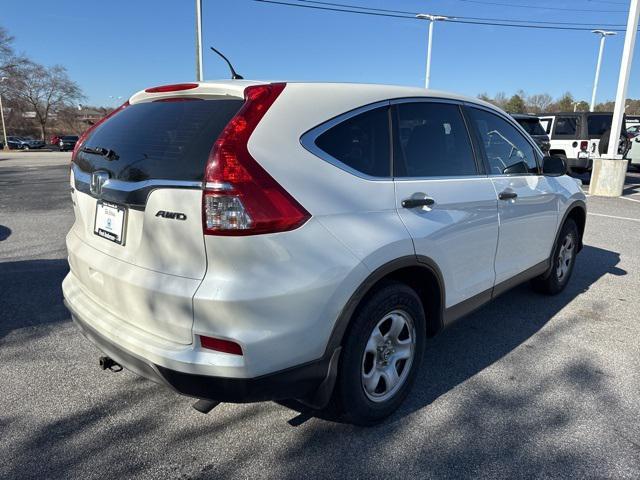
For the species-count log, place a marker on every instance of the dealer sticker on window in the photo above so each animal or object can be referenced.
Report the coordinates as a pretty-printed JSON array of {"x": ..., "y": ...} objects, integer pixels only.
[{"x": 110, "y": 221}]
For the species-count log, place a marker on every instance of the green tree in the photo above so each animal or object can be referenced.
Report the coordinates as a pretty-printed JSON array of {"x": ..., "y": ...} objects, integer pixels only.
[
  {"x": 516, "y": 104},
  {"x": 565, "y": 103},
  {"x": 582, "y": 106}
]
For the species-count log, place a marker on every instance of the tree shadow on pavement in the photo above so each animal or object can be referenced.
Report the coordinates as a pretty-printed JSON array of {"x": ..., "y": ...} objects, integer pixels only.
[
  {"x": 31, "y": 294},
  {"x": 507, "y": 424}
]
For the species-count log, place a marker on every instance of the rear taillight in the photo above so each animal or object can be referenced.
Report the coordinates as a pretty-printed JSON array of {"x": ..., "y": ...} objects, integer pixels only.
[
  {"x": 240, "y": 197},
  {"x": 584, "y": 145},
  {"x": 86, "y": 133}
]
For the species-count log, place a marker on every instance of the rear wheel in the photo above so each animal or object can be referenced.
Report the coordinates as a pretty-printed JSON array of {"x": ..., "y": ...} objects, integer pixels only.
[
  {"x": 564, "y": 256},
  {"x": 381, "y": 354}
]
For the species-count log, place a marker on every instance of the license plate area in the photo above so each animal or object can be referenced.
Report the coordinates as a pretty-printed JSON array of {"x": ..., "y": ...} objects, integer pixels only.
[{"x": 110, "y": 221}]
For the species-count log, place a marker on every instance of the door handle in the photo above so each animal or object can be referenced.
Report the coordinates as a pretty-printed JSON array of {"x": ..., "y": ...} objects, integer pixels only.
[
  {"x": 417, "y": 202},
  {"x": 507, "y": 195}
]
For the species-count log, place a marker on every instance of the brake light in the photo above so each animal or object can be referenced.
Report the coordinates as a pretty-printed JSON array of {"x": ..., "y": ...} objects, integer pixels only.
[
  {"x": 86, "y": 133},
  {"x": 240, "y": 197},
  {"x": 176, "y": 87},
  {"x": 219, "y": 345},
  {"x": 584, "y": 145}
]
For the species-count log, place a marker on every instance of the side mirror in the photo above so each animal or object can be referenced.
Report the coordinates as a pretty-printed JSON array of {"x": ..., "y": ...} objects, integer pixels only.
[{"x": 553, "y": 166}]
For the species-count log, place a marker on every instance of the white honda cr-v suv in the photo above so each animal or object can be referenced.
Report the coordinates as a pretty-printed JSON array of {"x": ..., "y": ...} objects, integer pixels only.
[{"x": 244, "y": 241}]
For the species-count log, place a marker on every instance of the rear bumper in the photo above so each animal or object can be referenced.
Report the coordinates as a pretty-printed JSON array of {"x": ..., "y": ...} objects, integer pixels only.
[
  {"x": 301, "y": 382},
  {"x": 584, "y": 163}
]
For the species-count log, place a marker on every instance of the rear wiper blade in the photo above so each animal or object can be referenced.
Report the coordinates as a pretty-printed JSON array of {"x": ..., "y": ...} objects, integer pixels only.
[{"x": 105, "y": 152}]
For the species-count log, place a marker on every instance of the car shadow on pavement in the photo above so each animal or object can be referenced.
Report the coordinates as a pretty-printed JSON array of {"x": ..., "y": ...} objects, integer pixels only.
[
  {"x": 31, "y": 294},
  {"x": 503, "y": 420},
  {"x": 485, "y": 336}
]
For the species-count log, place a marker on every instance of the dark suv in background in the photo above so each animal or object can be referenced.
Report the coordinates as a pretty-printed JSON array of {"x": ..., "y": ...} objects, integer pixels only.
[{"x": 532, "y": 126}]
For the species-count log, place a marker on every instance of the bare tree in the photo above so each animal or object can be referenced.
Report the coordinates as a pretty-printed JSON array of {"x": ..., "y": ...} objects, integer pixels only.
[
  {"x": 539, "y": 103},
  {"x": 6, "y": 46},
  {"x": 44, "y": 90}
]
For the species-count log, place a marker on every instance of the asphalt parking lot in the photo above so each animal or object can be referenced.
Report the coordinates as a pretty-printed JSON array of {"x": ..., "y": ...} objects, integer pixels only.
[{"x": 528, "y": 386}]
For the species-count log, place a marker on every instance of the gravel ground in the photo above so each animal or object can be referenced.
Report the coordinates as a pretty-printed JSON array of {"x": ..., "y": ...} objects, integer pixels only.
[{"x": 528, "y": 386}]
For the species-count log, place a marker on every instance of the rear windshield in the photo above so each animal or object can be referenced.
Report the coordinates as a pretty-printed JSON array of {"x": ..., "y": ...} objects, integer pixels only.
[
  {"x": 70, "y": 138},
  {"x": 158, "y": 140},
  {"x": 531, "y": 126}
]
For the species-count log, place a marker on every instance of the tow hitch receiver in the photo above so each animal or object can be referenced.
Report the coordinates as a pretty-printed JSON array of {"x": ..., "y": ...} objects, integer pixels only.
[
  {"x": 205, "y": 406},
  {"x": 108, "y": 363}
]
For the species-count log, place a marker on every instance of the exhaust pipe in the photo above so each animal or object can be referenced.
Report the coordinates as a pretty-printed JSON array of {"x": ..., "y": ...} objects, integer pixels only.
[{"x": 108, "y": 363}]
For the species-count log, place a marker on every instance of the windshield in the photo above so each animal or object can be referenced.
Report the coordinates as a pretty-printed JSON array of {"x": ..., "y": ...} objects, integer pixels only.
[
  {"x": 532, "y": 126},
  {"x": 168, "y": 139}
]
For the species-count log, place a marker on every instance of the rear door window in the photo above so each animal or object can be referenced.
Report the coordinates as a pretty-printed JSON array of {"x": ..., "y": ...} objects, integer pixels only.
[
  {"x": 361, "y": 142},
  {"x": 168, "y": 139},
  {"x": 431, "y": 140}
]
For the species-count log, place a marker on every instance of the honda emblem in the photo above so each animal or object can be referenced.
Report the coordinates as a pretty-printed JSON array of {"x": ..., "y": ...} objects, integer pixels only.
[{"x": 97, "y": 181}]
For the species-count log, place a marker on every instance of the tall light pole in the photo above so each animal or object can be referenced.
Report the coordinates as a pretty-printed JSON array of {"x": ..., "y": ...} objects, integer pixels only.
[
  {"x": 432, "y": 19},
  {"x": 609, "y": 172},
  {"x": 603, "y": 34},
  {"x": 4, "y": 129},
  {"x": 199, "y": 69}
]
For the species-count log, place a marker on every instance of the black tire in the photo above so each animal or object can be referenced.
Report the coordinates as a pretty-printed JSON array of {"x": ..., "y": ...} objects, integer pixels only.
[
  {"x": 554, "y": 281},
  {"x": 353, "y": 404}
]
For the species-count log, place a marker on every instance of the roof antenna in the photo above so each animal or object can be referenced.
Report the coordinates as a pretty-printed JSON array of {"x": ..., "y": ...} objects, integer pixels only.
[{"x": 234, "y": 74}]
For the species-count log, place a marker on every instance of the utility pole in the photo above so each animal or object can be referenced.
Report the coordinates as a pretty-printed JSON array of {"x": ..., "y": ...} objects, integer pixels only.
[
  {"x": 4, "y": 129},
  {"x": 199, "y": 70},
  {"x": 609, "y": 172},
  {"x": 603, "y": 34},
  {"x": 432, "y": 19}
]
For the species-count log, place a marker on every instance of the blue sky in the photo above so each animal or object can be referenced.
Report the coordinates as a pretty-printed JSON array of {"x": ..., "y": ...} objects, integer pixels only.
[{"x": 116, "y": 47}]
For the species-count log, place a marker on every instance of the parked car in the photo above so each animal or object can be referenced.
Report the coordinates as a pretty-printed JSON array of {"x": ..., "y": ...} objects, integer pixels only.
[
  {"x": 532, "y": 126},
  {"x": 302, "y": 240},
  {"x": 575, "y": 136},
  {"x": 14, "y": 144},
  {"x": 67, "y": 142},
  {"x": 634, "y": 131},
  {"x": 634, "y": 153},
  {"x": 24, "y": 143},
  {"x": 633, "y": 120}
]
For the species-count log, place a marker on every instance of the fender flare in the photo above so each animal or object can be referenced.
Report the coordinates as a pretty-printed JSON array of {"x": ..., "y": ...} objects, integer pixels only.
[{"x": 343, "y": 320}]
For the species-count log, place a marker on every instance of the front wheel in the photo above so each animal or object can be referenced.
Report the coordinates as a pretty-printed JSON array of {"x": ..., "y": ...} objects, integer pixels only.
[
  {"x": 381, "y": 356},
  {"x": 563, "y": 260}
]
